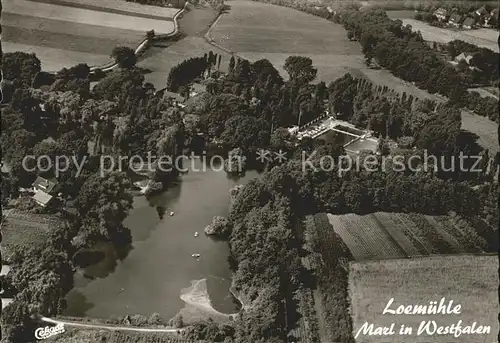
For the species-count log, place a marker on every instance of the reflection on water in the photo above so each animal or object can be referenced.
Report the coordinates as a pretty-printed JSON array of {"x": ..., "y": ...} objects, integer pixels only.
[{"x": 160, "y": 265}]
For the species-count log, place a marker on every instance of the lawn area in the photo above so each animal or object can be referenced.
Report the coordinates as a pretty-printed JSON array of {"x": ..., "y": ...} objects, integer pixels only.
[
  {"x": 486, "y": 129},
  {"x": 255, "y": 30},
  {"x": 402, "y": 14},
  {"x": 468, "y": 280}
]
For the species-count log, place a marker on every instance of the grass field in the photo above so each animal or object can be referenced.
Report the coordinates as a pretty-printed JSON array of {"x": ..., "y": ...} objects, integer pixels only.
[
  {"x": 392, "y": 235},
  {"x": 471, "y": 281},
  {"x": 486, "y": 129},
  {"x": 255, "y": 30},
  {"x": 486, "y": 38},
  {"x": 66, "y": 32}
]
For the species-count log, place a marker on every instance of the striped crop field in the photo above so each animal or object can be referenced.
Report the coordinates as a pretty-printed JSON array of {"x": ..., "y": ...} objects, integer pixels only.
[
  {"x": 63, "y": 33},
  {"x": 397, "y": 235},
  {"x": 470, "y": 281}
]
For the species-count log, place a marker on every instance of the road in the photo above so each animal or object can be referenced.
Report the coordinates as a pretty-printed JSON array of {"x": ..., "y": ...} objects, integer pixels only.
[{"x": 108, "y": 327}]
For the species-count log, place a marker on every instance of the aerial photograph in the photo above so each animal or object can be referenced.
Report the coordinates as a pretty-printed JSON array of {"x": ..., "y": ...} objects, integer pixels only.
[{"x": 249, "y": 171}]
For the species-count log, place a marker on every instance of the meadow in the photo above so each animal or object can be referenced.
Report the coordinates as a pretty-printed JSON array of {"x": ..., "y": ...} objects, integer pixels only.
[
  {"x": 65, "y": 33},
  {"x": 468, "y": 280}
]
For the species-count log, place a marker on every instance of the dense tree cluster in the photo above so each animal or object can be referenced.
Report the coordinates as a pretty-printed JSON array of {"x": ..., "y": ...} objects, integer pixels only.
[
  {"x": 185, "y": 72},
  {"x": 484, "y": 62},
  {"x": 124, "y": 56},
  {"x": 20, "y": 67}
]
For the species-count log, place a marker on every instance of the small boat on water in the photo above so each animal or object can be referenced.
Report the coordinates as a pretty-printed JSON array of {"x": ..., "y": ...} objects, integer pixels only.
[
  {"x": 196, "y": 255},
  {"x": 196, "y": 234},
  {"x": 171, "y": 214}
]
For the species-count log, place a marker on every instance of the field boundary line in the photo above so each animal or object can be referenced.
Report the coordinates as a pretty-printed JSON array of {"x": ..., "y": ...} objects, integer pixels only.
[{"x": 208, "y": 37}]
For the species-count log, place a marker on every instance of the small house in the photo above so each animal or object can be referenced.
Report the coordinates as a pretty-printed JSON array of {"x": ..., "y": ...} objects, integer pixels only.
[
  {"x": 44, "y": 190},
  {"x": 455, "y": 20},
  {"x": 42, "y": 198},
  {"x": 468, "y": 23},
  {"x": 441, "y": 13},
  {"x": 487, "y": 19},
  {"x": 45, "y": 185},
  {"x": 464, "y": 56},
  {"x": 481, "y": 11},
  {"x": 174, "y": 98}
]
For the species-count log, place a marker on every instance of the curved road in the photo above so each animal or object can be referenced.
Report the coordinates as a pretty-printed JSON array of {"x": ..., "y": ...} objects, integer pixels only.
[
  {"x": 112, "y": 64},
  {"x": 108, "y": 327}
]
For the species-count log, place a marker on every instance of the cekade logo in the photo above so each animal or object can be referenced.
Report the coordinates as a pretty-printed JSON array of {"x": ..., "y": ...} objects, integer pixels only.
[{"x": 49, "y": 331}]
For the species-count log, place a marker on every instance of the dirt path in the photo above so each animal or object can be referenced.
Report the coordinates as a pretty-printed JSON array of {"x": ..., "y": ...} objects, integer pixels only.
[{"x": 108, "y": 327}]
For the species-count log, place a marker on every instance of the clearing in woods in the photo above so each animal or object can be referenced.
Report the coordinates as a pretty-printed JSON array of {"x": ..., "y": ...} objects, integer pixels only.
[{"x": 468, "y": 280}]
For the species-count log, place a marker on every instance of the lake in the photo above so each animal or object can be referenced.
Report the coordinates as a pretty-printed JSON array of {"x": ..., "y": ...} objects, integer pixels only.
[{"x": 159, "y": 266}]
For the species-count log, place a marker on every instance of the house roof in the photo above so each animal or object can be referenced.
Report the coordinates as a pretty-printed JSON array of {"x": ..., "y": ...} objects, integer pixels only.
[
  {"x": 464, "y": 56},
  {"x": 456, "y": 18},
  {"x": 172, "y": 95},
  {"x": 42, "y": 198},
  {"x": 199, "y": 88},
  {"x": 5, "y": 270},
  {"x": 6, "y": 302},
  {"x": 44, "y": 184},
  {"x": 482, "y": 10},
  {"x": 469, "y": 21},
  {"x": 440, "y": 11},
  {"x": 5, "y": 168}
]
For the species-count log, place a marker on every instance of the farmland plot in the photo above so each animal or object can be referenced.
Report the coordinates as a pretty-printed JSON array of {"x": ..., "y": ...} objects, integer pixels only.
[
  {"x": 486, "y": 38},
  {"x": 365, "y": 237},
  {"x": 392, "y": 235},
  {"x": 62, "y": 35},
  {"x": 396, "y": 232}
]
